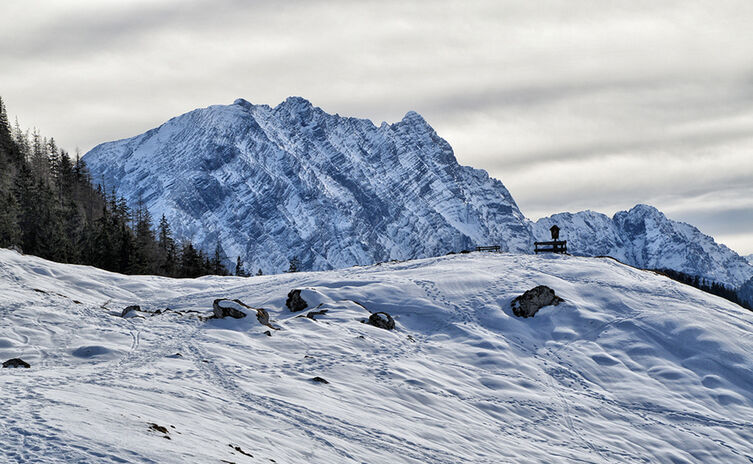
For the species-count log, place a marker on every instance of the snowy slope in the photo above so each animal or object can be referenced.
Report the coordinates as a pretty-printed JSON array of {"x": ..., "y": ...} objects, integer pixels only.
[
  {"x": 633, "y": 367},
  {"x": 292, "y": 180},
  {"x": 749, "y": 258},
  {"x": 644, "y": 237}
]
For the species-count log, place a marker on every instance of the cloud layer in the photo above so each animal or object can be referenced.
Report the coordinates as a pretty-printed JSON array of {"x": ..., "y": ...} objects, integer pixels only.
[{"x": 572, "y": 104}]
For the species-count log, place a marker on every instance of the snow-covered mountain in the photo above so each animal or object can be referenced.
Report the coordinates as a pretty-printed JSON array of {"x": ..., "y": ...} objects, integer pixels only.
[
  {"x": 644, "y": 237},
  {"x": 632, "y": 367},
  {"x": 749, "y": 258},
  {"x": 273, "y": 183}
]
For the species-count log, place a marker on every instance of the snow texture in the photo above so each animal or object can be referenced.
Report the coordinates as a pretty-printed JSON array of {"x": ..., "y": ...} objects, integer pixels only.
[
  {"x": 643, "y": 237},
  {"x": 632, "y": 367},
  {"x": 274, "y": 183}
]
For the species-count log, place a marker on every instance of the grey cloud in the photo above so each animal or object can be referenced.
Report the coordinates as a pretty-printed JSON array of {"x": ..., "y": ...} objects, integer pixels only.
[{"x": 513, "y": 86}]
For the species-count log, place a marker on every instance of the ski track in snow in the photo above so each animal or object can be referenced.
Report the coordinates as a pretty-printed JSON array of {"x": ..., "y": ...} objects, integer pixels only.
[{"x": 632, "y": 367}]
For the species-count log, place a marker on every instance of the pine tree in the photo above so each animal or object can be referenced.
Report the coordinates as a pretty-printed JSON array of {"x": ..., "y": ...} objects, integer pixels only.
[
  {"x": 259, "y": 272},
  {"x": 10, "y": 232},
  {"x": 40, "y": 163},
  {"x": 295, "y": 264},
  {"x": 191, "y": 261},
  {"x": 217, "y": 267},
  {"x": 239, "y": 269},
  {"x": 145, "y": 246},
  {"x": 167, "y": 254}
]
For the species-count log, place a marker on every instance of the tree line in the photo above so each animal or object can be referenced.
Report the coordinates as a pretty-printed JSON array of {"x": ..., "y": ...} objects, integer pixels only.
[
  {"x": 715, "y": 288},
  {"x": 50, "y": 208}
]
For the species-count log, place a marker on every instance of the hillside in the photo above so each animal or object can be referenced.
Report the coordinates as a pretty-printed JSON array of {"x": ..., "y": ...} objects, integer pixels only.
[{"x": 632, "y": 367}]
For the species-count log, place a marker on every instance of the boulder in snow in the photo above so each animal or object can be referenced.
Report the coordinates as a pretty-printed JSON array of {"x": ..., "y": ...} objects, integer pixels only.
[
  {"x": 223, "y": 307},
  {"x": 382, "y": 320},
  {"x": 295, "y": 302},
  {"x": 128, "y": 309},
  {"x": 16, "y": 362},
  {"x": 263, "y": 317},
  {"x": 529, "y": 303}
]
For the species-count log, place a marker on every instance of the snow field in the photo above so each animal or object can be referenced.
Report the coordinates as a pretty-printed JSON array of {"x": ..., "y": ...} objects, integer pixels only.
[{"x": 632, "y": 367}]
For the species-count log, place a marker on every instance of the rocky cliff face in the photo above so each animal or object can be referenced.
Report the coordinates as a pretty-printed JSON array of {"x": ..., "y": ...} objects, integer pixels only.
[
  {"x": 643, "y": 237},
  {"x": 274, "y": 183}
]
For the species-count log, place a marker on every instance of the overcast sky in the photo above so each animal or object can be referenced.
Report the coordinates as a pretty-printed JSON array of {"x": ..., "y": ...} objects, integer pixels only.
[{"x": 572, "y": 104}]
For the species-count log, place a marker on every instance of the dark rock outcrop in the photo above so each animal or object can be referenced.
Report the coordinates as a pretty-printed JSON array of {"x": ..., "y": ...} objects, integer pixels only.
[
  {"x": 263, "y": 317},
  {"x": 382, "y": 320},
  {"x": 312, "y": 314},
  {"x": 319, "y": 380},
  {"x": 529, "y": 303},
  {"x": 223, "y": 307},
  {"x": 160, "y": 429},
  {"x": 16, "y": 362},
  {"x": 295, "y": 302},
  {"x": 128, "y": 309}
]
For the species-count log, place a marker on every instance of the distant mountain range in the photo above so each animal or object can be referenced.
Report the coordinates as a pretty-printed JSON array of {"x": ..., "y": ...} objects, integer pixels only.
[
  {"x": 273, "y": 183},
  {"x": 643, "y": 237}
]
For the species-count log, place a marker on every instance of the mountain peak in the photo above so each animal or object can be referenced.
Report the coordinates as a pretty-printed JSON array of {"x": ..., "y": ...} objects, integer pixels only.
[
  {"x": 644, "y": 210},
  {"x": 242, "y": 102},
  {"x": 296, "y": 102},
  {"x": 293, "y": 181},
  {"x": 644, "y": 237},
  {"x": 414, "y": 118}
]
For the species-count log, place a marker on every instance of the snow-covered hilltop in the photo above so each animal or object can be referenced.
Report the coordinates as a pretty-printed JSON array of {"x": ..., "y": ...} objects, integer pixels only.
[
  {"x": 643, "y": 237},
  {"x": 274, "y": 183},
  {"x": 632, "y": 367}
]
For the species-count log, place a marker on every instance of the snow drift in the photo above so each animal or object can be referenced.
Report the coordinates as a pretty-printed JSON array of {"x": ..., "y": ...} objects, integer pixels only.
[{"x": 630, "y": 367}]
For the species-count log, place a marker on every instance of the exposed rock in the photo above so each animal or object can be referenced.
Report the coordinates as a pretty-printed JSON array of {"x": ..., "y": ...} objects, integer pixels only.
[
  {"x": 382, "y": 320},
  {"x": 263, "y": 317},
  {"x": 160, "y": 429},
  {"x": 16, "y": 362},
  {"x": 240, "y": 450},
  {"x": 268, "y": 333},
  {"x": 312, "y": 314},
  {"x": 128, "y": 309},
  {"x": 295, "y": 302},
  {"x": 528, "y": 304},
  {"x": 319, "y": 380},
  {"x": 223, "y": 307}
]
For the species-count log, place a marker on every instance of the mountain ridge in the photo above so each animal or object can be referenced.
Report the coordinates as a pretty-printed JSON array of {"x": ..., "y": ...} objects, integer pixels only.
[
  {"x": 645, "y": 238},
  {"x": 276, "y": 182},
  {"x": 330, "y": 190}
]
